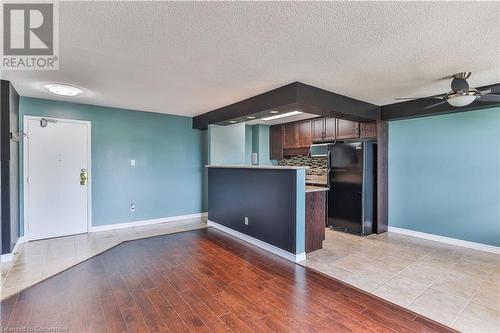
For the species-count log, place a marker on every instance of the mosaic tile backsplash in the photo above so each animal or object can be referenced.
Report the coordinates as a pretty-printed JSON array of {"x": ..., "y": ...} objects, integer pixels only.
[{"x": 318, "y": 166}]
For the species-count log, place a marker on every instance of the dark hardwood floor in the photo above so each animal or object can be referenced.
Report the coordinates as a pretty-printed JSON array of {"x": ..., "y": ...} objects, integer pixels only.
[{"x": 200, "y": 281}]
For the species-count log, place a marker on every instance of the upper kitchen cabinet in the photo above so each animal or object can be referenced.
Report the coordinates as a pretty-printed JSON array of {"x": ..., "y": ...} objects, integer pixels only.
[
  {"x": 276, "y": 142},
  {"x": 347, "y": 129},
  {"x": 330, "y": 131},
  {"x": 318, "y": 129},
  {"x": 323, "y": 129},
  {"x": 297, "y": 135},
  {"x": 368, "y": 130},
  {"x": 291, "y": 136},
  {"x": 305, "y": 134}
]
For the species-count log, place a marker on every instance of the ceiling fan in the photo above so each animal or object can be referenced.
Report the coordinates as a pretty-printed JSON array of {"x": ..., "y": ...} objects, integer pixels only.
[{"x": 461, "y": 94}]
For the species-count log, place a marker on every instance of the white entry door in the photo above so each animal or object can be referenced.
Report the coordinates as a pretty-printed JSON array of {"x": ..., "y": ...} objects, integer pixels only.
[{"x": 57, "y": 177}]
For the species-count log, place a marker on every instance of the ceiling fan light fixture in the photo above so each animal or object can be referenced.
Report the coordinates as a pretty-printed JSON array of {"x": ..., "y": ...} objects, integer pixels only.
[{"x": 461, "y": 100}]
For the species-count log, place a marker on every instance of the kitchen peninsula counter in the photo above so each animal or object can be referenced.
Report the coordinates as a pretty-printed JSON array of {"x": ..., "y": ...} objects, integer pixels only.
[{"x": 263, "y": 205}]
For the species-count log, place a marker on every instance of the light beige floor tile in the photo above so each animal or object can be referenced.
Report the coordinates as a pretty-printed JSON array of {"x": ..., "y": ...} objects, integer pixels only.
[
  {"x": 361, "y": 281},
  {"x": 401, "y": 290},
  {"x": 337, "y": 273},
  {"x": 439, "y": 306},
  {"x": 437, "y": 262},
  {"x": 421, "y": 275},
  {"x": 476, "y": 318},
  {"x": 436, "y": 279},
  {"x": 452, "y": 285},
  {"x": 488, "y": 295},
  {"x": 474, "y": 268}
]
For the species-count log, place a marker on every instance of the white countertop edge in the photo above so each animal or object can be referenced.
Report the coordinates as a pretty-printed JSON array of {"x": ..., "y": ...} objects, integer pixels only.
[{"x": 273, "y": 167}]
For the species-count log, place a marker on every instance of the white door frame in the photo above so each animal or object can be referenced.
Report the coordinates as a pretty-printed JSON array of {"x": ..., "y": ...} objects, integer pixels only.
[{"x": 25, "y": 171}]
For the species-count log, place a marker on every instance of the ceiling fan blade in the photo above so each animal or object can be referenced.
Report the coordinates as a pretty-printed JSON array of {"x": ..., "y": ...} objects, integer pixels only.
[
  {"x": 436, "y": 104},
  {"x": 489, "y": 98},
  {"x": 485, "y": 92},
  {"x": 406, "y": 98}
]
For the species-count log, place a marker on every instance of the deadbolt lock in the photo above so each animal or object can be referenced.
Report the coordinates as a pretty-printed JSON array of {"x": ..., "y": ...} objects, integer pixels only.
[{"x": 83, "y": 177}]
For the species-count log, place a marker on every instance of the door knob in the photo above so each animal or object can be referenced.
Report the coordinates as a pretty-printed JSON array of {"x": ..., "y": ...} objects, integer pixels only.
[{"x": 83, "y": 177}]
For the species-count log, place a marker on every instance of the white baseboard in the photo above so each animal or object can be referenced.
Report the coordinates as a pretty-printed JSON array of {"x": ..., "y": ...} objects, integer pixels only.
[
  {"x": 447, "y": 240},
  {"x": 146, "y": 222},
  {"x": 263, "y": 245},
  {"x": 7, "y": 257}
]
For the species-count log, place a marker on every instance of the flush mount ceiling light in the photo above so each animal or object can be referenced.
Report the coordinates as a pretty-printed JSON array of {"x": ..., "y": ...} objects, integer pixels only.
[
  {"x": 251, "y": 117},
  {"x": 232, "y": 121},
  {"x": 63, "y": 90},
  {"x": 283, "y": 115}
]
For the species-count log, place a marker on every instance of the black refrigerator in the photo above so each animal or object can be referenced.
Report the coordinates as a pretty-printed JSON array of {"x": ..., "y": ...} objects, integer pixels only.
[{"x": 351, "y": 176}]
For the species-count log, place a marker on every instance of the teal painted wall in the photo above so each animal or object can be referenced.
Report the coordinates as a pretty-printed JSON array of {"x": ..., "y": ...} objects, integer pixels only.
[
  {"x": 260, "y": 143},
  {"x": 255, "y": 140},
  {"x": 168, "y": 179},
  {"x": 248, "y": 144},
  {"x": 227, "y": 144},
  {"x": 300, "y": 217},
  {"x": 234, "y": 144},
  {"x": 264, "y": 145},
  {"x": 444, "y": 175}
]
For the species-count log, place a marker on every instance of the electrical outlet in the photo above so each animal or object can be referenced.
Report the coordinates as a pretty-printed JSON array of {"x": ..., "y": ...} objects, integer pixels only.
[
  {"x": 246, "y": 220},
  {"x": 132, "y": 207}
]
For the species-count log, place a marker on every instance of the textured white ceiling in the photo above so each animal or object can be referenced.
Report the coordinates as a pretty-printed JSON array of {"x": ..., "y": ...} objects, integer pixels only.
[{"x": 188, "y": 58}]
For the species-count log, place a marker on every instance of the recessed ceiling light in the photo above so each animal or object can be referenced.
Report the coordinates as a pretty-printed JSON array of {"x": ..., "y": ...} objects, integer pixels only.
[
  {"x": 283, "y": 115},
  {"x": 232, "y": 121},
  {"x": 274, "y": 112},
  {"x": 251, "y": 117},
  {"x": 63, "y": 90}
]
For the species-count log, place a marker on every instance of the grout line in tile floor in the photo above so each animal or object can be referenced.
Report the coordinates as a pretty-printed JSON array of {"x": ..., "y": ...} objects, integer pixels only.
[
  {"x": 430, "y": 285},
  {"x": 469, "y": 301}
]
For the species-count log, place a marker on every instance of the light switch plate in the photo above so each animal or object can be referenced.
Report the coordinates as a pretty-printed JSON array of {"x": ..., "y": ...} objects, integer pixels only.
[
  {"x": 132, "y": 162},
  {"x": 255, "y": 159}
]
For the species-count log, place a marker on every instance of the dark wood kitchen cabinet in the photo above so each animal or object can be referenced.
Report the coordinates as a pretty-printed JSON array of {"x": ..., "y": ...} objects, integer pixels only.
[
  {"x": 323, "y": 129},
  {"x": 305, "y": 134},
  {"x": 318, "y": 129},
  {"x": 315, "y": 220},
  {"x": 297, "y": 135},
  {"x": 330, "y": 131},
  {"x": 368, "y": 130},
  {"x": 276, "y": 142},
  {"x": 291, "y": 136},
  {"x": 347, "y": 129}
]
